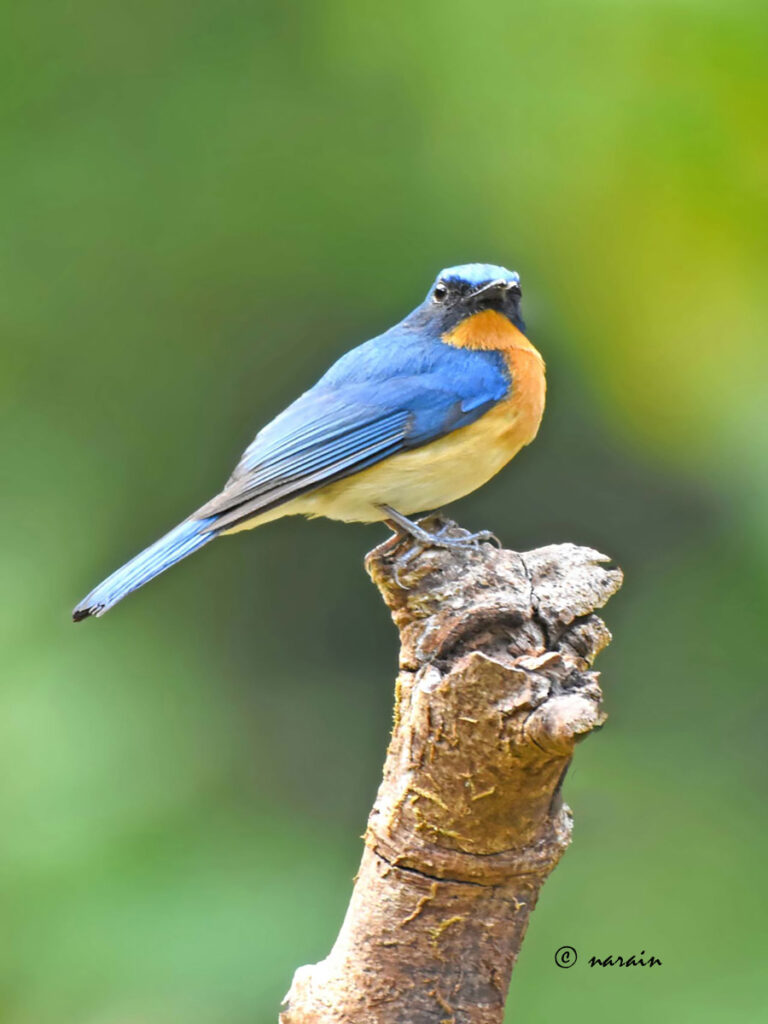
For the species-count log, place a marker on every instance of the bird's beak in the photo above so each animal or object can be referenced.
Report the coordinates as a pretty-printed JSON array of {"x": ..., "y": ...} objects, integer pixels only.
[{"x": 501, "y": 284}]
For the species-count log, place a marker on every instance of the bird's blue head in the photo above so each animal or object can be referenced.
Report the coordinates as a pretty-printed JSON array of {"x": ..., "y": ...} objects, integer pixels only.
[
  {"x": 460, "y": 292},
  {"x": 473, "y": 278}
]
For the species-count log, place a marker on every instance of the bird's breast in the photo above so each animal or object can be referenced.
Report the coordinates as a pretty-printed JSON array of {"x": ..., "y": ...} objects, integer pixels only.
[
  {"x": 451, "y": 466},
  {"x": 516, "y": 418}
]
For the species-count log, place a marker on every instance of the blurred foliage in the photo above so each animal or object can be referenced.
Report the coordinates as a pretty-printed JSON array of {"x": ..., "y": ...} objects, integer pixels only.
[{"x": 202, "y": 206}]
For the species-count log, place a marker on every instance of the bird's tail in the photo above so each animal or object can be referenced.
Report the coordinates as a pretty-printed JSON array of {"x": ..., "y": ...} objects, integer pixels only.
[{"x": 180, "y": 542}]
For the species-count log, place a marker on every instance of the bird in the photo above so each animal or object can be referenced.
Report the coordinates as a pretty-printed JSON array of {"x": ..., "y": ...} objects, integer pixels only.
[{"x": 407, "y": 422}]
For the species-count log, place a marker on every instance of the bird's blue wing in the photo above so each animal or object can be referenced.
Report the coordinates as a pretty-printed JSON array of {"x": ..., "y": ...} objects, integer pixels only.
[{"x": 345, "y": 424}]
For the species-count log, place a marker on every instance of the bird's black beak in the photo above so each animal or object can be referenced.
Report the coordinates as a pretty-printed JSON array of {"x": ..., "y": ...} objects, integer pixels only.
[{"x": 496, "y": 287}]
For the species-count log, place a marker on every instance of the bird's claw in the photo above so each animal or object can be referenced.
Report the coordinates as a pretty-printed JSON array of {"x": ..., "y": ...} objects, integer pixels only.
[
  {"x": 398, "y": 580},
  {"x": 403, "y": 561},
  {"x": 470, "y": 540},
  {"x": 439, "y": 540}
]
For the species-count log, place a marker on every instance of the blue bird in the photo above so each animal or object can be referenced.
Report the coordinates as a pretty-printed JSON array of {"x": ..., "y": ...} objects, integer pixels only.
[{"x": 408, "y": 421}]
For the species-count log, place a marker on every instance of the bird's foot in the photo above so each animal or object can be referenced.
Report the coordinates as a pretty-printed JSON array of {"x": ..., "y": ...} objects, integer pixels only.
[{"x": 424, "y": 539}]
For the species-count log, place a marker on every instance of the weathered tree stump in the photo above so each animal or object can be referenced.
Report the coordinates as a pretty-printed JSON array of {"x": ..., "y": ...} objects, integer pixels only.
[{"x": 494, "y": 690}]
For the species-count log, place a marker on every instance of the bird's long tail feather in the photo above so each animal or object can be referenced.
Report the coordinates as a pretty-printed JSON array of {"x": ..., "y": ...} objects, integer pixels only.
[{"x": 180, "y": 542}]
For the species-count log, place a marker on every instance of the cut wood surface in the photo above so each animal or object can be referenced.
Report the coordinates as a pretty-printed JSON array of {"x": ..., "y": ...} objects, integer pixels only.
[{"x": 494, "y": 690}]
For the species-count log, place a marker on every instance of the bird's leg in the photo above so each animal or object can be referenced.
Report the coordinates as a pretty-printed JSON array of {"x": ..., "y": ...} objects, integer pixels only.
[
  {"x": 402, "y": 525},
  {"x": 424, "y": 539},
  {"x": 398, "y": 536}
]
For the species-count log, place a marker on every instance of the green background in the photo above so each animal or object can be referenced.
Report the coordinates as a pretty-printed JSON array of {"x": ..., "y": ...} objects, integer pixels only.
[{"x": 203, "y": 205}]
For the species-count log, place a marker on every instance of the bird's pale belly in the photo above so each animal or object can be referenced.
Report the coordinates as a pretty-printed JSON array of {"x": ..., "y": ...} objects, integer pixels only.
[
  {"x": 440, "y": 472},
  {"x": 457, "y": 464},
  {"x": 425, "y": 478},
  {"x": 422, "y": 479}
]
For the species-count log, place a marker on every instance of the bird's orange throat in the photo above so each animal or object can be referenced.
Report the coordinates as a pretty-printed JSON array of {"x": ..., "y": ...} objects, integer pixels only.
[
  {"x": 488, "y": 330},
  {"x": 491, "y": 331}
]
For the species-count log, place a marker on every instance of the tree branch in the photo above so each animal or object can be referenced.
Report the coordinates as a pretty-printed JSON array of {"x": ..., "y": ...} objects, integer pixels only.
[{"x": 494, "y": 690}]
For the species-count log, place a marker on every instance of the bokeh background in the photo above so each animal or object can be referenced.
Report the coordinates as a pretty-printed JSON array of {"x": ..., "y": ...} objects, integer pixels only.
[{"x": 202, "y": 206}]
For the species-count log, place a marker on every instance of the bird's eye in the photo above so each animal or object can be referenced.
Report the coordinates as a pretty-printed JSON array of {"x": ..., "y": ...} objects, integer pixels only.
[{"x": 440, "y": 292}]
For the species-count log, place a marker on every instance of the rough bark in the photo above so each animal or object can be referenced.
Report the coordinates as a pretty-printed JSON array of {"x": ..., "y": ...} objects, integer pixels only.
[{"x": 495, "y": 688}]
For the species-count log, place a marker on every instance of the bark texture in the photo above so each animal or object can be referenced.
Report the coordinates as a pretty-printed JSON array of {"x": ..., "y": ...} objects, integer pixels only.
[{"x": 495, "y": 688}]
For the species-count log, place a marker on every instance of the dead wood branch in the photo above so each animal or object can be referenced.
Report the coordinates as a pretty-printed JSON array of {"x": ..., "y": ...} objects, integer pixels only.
[{"x": 495, "y": 688}]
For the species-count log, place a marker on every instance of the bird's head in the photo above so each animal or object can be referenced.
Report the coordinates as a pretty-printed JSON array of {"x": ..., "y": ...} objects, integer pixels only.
[{"x": 460, "y": 293}]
